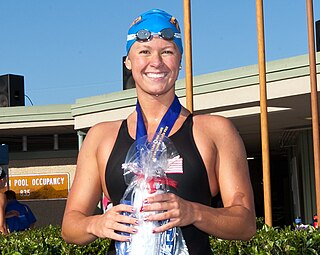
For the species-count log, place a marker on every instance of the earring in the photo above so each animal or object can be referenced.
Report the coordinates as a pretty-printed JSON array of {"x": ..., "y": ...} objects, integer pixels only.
[{"x": 180, "y": 67}]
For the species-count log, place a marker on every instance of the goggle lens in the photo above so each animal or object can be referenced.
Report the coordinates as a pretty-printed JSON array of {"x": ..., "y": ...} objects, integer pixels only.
[
  {"x": 167, "y": 34},
  {"x": 145, "y": 35}
]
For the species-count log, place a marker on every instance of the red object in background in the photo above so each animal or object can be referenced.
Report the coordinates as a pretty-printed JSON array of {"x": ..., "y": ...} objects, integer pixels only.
[{"x": 315, "y": 221}]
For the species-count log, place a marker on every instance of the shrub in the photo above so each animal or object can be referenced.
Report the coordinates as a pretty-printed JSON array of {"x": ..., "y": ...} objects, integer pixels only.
[
  {"x": 273, "y": 241},
  {"x": 268, "y": 240},
  {"x": 45, "y": 241}
]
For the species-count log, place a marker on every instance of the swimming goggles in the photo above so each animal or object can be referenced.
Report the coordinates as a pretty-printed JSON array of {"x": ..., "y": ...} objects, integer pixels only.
[{"x": 145, "y": 35}]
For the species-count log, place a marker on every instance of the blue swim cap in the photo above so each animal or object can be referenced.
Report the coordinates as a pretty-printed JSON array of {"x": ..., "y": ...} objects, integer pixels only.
[{"x": 154, "y": 21}]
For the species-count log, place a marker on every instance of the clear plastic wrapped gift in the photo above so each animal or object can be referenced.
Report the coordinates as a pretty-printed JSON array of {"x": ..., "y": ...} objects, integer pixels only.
[{"x": 144, "y": 172}]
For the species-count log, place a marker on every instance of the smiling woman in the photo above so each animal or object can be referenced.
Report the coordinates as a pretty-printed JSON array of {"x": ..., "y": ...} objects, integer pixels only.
[
  {"x": 156, "y": 52},
  {"x": 156, "y": 65},
  {"x": 212, "y": 158}
]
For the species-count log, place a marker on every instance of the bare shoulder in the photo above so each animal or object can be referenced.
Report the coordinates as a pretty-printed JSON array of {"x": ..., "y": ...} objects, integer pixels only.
[
  {"x": 215, "y": 123},
  {"x": 101, "y": 136},
  {"x": 217, "y": 131},
  {"x": 107, "y": 125},
  {"x": 98, "y": 144},
  {"x": 104, "y": 129}
]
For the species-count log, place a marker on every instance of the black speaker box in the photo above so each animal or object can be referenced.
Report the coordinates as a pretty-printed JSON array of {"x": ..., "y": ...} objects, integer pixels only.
[
  {"x": 128, "y": 81},
  {"x": 11, "y": 90}
]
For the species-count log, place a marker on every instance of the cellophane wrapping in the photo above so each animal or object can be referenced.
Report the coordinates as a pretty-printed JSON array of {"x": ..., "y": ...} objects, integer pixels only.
[{"x": 144, "y": 172}]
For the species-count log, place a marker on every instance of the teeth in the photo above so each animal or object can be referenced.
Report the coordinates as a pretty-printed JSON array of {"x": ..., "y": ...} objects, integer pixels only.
[{"x": 155, "y": 75}]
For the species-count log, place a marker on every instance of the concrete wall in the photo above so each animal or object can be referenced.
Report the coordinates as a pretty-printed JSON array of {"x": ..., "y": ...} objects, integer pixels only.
[{"x": 47, "y": 211}]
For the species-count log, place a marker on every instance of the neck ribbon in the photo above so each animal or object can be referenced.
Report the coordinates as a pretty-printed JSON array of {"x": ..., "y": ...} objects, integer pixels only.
[{"x": 166, "y": 122}]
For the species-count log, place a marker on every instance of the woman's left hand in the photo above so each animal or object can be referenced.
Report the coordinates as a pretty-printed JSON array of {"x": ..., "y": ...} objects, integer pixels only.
[{"x": 178, "y": 211}]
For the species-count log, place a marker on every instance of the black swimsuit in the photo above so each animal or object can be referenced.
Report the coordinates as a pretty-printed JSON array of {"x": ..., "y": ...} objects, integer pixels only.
[{"x": 193, "y": 184}]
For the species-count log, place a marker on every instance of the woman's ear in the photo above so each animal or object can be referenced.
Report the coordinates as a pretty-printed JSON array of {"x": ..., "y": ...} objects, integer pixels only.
[{"x": 127, "y": 62}]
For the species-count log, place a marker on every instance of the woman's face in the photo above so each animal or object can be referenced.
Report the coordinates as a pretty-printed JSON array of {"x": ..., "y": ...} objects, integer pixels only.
[{"x": 155, "y": 65}]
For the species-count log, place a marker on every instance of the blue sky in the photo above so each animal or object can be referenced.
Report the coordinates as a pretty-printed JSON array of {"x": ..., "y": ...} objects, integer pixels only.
[{"x": 73, "y": 49}]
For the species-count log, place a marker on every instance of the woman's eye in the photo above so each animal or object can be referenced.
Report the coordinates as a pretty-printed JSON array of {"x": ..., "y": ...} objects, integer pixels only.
[
  {"x": 169, "y": 52},
  {"x": 144, "y": 52}
]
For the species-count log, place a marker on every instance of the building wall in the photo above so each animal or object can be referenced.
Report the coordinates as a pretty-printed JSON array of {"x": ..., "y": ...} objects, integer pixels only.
[{"x": 47, "y": 211}]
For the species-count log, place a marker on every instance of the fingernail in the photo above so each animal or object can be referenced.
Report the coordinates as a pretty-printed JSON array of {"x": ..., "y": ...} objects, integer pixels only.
[
  {"x": 134, "y": 231},
  {"x": 129, "y": 239},
  {"x": 145, "y": 219},
  {"x": 133, "y": 209},
  {"x": 136, "y": 222}
]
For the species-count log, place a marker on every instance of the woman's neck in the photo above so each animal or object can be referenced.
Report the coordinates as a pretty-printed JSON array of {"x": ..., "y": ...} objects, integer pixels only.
[{"x": 153, "y": 110}]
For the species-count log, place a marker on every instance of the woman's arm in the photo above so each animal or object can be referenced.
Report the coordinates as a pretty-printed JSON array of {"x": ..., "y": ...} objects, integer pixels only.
[
  {"x": 224, "y": 154},
  {"x": 3, "y": 202},
  {"x": 79, "y": 225}
]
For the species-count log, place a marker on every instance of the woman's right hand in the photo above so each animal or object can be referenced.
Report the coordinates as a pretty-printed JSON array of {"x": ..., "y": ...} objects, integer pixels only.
[{"x": 117, "y": 219}]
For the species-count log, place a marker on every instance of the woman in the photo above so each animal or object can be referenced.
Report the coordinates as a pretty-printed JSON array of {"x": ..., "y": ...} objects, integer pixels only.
[{"x": 214, "y": 158}]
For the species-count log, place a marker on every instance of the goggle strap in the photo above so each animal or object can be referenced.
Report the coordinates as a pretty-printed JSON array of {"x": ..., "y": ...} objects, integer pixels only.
[
  {"x": 131, "y": 37},
  {"x": 177, "y": 35},
  {"x": 134, "y": 36}
]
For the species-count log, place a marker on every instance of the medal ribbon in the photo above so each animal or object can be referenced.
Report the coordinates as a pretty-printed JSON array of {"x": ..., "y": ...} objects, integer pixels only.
[{"x": 166, "y": 122}]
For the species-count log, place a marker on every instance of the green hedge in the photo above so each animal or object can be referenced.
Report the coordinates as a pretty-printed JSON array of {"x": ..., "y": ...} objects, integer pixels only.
[
  {"x": 268, "y": 240},
  {"x": 45, "y": 241}
]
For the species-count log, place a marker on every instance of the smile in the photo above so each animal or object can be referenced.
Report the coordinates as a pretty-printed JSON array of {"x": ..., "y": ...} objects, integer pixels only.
[{"x": 156, "y": 75}]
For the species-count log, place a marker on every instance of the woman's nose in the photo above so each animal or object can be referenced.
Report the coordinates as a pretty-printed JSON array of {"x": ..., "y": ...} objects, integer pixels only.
[{"x": 156, "y": 60}]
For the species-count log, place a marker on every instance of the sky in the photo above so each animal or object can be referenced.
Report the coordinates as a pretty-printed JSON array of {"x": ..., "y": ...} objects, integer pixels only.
[{"x": 73, "y": 49}]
